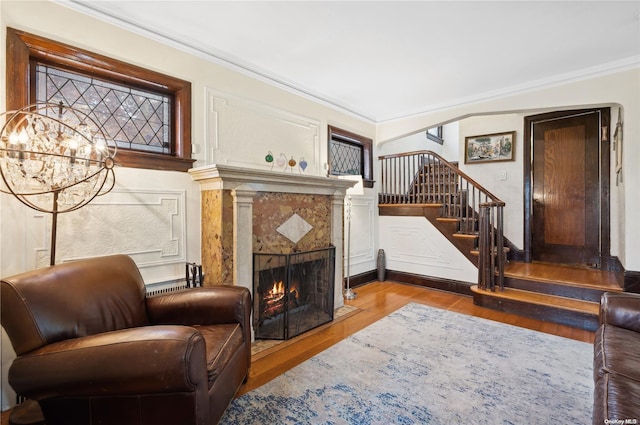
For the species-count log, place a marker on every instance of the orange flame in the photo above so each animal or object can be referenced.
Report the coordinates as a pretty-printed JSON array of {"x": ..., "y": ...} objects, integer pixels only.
[{"x": 278, "y": 289}]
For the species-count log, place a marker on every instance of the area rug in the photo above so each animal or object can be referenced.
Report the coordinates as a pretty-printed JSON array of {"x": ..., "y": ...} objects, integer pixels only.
[{"x": 422, "y": 365}]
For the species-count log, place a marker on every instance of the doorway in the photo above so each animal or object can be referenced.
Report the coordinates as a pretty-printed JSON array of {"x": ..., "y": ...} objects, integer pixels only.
[{"x": 567, "y": 188}]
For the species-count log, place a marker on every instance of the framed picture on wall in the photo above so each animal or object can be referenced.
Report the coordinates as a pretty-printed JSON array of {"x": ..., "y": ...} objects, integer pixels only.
[{"x": 489, "y": 147}]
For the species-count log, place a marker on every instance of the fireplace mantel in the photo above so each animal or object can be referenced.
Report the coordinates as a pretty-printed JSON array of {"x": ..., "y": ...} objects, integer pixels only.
[
  {"x": 215, "y": 177},
  {"x": 245, "y": 184}
]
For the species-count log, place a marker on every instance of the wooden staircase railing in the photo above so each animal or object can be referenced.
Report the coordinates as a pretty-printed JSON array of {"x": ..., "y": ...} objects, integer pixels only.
[{"x": 425, "y": 178}]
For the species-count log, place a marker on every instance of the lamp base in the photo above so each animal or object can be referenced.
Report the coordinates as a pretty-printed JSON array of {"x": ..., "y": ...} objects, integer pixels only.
[{"x": 349, "y": 294}]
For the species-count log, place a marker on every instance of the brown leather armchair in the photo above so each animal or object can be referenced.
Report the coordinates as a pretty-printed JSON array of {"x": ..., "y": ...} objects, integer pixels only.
[{"x": 92, "y": 348}]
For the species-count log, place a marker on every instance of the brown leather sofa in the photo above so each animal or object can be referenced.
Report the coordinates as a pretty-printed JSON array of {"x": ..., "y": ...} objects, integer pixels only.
[
  {"x": 616, "y": 364},
  {"x": 93, "y": 349}
]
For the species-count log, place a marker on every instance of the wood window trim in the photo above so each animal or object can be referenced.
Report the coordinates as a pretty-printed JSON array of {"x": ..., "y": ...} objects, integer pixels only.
[
  {"x": 22, "y": 47},
  {"x": 367, "y": 150},
  {"x": 436, "y": 137}
]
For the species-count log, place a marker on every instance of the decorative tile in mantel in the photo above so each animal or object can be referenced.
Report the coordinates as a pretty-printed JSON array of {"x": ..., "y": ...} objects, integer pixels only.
[
  {"x": 295, "y": 228},
  {"x": 271, "y": 210}
]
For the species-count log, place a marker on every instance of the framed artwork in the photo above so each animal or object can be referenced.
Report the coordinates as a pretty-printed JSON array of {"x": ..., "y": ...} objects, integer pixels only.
[{"x": 489, "y": 147}]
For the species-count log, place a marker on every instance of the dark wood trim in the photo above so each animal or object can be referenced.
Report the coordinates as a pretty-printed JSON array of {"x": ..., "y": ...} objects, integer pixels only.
[
  {"x": 23, "y": 47},
  {"x": 448, "y": 285},
  {"x": 611, "y": 263},
  {"x": 147, "y": 160},
  {"x": 362, "y": 278},
  {"x": 576, "y": 319},
  {"x": 435, "y": 137},
  {"x": 367, "y": 152},
  {"x": 632, "y": 281},
  {"x": 605, "y": 225}
]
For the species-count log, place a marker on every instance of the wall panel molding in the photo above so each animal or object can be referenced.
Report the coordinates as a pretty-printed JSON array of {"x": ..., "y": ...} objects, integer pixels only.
[
  {"x": 147, "y": 224},
  {"x": 363, "y": 230},
  {"x": 234, "y": 127}
]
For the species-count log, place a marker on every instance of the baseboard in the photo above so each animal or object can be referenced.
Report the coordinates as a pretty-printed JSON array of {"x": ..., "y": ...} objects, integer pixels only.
[
  {"x": 632, "y": 281},
  {"x": 361, "y": 279},
  {"x": 611, "y": 263},
  {"x": 463, "y": 288}
]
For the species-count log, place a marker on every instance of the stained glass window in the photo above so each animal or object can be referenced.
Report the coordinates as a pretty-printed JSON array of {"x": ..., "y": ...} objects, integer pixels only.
[
  {"x": 350, "y": 154},
  {"x": 135, "y": 119}
]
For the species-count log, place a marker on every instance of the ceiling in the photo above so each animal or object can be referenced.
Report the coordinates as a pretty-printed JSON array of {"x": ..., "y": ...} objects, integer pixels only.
[{"x": 384, "y": 60}]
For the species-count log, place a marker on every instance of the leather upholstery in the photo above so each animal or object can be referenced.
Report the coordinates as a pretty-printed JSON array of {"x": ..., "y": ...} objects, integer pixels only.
[
  {"x": 616, "y": 361},
  {"x": 92, "y": 348}
]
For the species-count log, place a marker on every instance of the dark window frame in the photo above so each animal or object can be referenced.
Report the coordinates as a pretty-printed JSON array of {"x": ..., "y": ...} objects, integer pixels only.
[
  {"x": 437, "y": 137},
  {"x": 367, "y": 151},
  {"x": 24, "y": 48}
]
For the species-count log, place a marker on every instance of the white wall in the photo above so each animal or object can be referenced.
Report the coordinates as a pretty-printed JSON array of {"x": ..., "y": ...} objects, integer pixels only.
[
  {"x": 414, "y": 245},
  {"x": 503, "y": 179},
  {"x": 153, "y": 215},
  {"x": 419, "y": 141}
]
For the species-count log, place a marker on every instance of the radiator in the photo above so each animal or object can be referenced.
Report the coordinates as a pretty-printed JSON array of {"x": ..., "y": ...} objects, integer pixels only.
[{"x": 165, "y": 287}]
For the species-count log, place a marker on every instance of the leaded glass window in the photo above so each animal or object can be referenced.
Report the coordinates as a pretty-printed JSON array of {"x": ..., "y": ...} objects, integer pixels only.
[
  {"x": 135, "y": 119},
  {"x": 350, "y": 154},
  {"x": 346, "y": 158}
]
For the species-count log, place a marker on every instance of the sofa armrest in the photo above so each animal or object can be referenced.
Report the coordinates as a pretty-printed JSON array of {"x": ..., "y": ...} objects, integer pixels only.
[
  {"x": 151, "y": 359},
  {"x": 621, "y": 309},
  {"x": 210, "y": 305}
]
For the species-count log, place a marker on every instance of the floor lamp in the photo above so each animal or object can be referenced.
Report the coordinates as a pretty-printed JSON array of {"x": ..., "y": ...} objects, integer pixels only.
[
  {"x": 54, "y": 159},
  {"x": 357, "y": 189}
]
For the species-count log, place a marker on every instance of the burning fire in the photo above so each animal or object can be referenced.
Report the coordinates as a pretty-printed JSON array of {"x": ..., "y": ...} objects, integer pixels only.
[
  {"x": 275, "y": 301},
  {"x": 277, "y": 291}
]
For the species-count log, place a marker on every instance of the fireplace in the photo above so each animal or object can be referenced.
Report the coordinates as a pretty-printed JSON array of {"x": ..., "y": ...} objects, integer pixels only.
[
  {"x": 293, "y": 293},
  {"x": 239, "y": 213}
]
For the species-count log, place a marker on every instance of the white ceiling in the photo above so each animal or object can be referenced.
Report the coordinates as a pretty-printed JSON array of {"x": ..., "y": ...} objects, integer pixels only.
[{"x": 384, "y": 60}]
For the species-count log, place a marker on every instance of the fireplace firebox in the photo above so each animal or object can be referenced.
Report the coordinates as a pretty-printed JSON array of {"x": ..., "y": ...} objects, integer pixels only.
[{"x": 292, "y": 293}]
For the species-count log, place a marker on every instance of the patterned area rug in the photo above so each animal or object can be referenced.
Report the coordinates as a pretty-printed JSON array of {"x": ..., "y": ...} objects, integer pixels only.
[{"x": 422, "y": 365}]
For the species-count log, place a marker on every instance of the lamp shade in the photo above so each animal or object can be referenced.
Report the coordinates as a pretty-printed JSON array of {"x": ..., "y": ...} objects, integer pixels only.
[{"x": 358, "y": 188}]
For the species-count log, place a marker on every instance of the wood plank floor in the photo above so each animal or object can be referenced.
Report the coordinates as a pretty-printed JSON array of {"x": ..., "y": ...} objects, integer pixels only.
[{"x": 374, "y": 301}]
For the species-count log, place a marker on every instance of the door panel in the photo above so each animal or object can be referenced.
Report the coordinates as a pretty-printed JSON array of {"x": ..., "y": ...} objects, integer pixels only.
[{"x": 566, "y": 190}]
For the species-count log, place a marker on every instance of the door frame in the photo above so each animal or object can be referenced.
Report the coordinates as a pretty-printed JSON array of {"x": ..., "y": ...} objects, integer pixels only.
[{"x": 606, "y": 262}]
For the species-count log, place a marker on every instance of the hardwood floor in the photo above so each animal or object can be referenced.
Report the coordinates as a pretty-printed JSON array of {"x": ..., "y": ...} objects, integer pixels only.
[{"x": 374, "y": 301}]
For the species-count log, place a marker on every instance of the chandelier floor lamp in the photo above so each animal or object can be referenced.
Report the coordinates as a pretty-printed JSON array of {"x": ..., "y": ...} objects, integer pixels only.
[
  {"x": 54, "y": 159},
  {"x": 357, "y": 189}
]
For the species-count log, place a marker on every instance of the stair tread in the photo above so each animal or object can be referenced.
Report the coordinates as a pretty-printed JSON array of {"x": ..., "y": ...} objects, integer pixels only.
[
  {"x": 555, "y": 301},
  {"x": 465, "y": 236},
  {"x": 564, "y": 275}
]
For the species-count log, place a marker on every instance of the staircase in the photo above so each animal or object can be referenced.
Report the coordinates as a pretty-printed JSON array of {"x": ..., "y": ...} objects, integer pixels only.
[{"x": 422, "y": 183}]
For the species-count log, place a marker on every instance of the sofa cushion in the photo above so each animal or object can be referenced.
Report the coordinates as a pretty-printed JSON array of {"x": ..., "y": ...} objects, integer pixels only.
[
  {"x": 617, "y": 397},
  {"x": 222, "y": 342},
  {"x": 616, "y": 350},
  {"x": 72, "y": 300}
]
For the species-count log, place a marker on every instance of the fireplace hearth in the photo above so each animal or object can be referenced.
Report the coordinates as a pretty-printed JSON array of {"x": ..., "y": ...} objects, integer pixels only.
[{"x": 293, "y": 293}]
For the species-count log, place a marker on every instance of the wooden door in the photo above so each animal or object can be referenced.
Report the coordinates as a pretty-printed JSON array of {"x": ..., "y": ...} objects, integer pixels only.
[{"x": 566, "y": 190}]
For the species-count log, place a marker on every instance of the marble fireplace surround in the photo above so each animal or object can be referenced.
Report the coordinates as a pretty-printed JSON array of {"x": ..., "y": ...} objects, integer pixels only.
[{"x": 242, "y": 207}]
